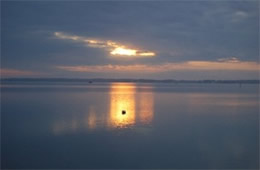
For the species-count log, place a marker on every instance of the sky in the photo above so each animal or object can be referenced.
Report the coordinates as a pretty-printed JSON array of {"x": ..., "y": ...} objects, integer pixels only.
[{"x": 187, "y": 40}]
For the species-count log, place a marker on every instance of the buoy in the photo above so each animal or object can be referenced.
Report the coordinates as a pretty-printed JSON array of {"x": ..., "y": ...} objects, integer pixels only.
[{"x": 123, "y": 112}]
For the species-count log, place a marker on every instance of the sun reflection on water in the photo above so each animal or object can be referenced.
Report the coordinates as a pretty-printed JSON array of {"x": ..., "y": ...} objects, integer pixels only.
[{"x": 122, "y": 98}]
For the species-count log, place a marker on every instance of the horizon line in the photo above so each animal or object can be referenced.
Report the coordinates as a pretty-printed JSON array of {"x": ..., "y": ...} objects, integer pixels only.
[{"x": 132, "y": 80}]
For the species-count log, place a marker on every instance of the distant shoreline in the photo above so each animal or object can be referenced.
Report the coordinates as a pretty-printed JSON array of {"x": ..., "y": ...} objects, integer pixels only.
[{"x": 103, "y": 80}]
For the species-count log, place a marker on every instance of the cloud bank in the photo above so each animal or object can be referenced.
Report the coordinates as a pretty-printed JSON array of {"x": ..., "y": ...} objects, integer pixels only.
[
  {"x": 223, "y": 65},
  {"x": 15, "y": 72}
]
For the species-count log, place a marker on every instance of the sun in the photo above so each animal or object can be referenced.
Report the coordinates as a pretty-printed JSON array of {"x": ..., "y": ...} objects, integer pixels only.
[{"x": 123, "y": 51}]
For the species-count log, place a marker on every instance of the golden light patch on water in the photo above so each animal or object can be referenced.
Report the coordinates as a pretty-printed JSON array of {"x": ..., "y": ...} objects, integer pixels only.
[{"x": 122, "y": 98}]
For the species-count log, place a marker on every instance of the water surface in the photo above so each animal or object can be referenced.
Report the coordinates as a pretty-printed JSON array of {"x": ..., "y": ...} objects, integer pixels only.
[{"x": 164, "y": 125}]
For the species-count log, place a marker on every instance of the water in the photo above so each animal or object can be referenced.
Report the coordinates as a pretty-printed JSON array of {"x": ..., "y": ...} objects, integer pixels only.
[{"x": 165, "y": 125}]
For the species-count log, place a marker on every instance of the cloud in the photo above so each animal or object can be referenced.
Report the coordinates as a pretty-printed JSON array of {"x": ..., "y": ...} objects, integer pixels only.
[
  {"x": 229, "y": 60},
  {"x": 14, "y": 72},
  {"x": 223, "y": 65},
  {"x": 239, "y": 15},
  {"x": 114, "y": 48}
]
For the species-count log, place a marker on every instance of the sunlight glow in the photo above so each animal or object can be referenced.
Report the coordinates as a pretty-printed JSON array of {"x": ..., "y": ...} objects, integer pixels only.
[
  {"x": 147, "y": 54},
  {"x": 114, "y": 48},
  {"x": 123, "y": 51}
]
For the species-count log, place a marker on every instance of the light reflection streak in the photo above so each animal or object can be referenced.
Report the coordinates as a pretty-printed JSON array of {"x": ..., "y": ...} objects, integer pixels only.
[
  {"x": 92, "y": 119},
  {"x": 122, "y": 97},
  {"x": 139, "y": 106},
  {"x": 146, "y": 104}
]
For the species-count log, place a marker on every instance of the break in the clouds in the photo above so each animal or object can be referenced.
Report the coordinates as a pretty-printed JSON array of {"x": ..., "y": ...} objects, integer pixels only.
[{"x": 114, "y": 48}]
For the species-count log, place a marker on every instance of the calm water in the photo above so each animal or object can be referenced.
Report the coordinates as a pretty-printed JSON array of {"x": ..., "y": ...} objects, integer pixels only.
[{"x": 165, "y": 126}]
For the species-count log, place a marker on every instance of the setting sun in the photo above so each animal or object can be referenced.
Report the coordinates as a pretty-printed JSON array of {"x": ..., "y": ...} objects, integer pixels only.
[
  {"x": 123, "y": 51},
  {"x": 120, "y": 51}
]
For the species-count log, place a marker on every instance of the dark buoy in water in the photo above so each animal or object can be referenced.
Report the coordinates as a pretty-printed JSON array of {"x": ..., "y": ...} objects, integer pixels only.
[
  {"x": 90, "y": 82},
  {"x": 123, "y": 112}
]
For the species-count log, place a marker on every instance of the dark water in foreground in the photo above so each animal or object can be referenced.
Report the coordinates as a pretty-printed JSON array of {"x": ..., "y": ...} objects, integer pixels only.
[{"x": 165, "y": 126}]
